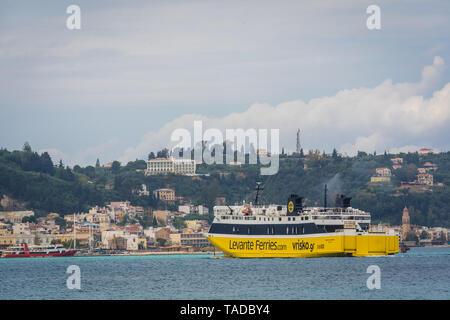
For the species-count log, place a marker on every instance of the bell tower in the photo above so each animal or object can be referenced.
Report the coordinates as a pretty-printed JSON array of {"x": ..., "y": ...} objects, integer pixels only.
[{"x": 406, "y": 223}]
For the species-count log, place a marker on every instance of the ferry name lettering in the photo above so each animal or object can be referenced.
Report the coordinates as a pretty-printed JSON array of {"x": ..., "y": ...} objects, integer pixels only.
[
  {"x": 302, "y": 245},
  {"x": 241, "y": 245},
  {"x": 258, "y": 245}
]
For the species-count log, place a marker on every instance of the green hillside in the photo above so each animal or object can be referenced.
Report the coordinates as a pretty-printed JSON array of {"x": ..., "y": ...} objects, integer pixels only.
[{"x": 33, "y": 179}]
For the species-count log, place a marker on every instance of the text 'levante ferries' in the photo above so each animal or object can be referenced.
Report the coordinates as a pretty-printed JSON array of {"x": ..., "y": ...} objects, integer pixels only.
[{"x": 252, "y": 231}]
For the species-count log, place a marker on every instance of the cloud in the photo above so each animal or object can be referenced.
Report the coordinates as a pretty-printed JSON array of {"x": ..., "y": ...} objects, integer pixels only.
[
  {"x": 106, "y": 152},
  {"x": 384, "y": 117}
]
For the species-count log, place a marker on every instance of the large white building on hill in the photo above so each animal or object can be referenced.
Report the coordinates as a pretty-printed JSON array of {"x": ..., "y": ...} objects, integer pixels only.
[{"x": 160, "y": 166}]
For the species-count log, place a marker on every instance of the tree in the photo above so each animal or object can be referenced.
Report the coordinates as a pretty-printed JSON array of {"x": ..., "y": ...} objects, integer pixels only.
[
  {"x": 179, "y": 223},
  {"x": 115, "y": 167},
  {"x": 97, "y": 163},
  {"x": 151, "y": 155},
  {"x": 423, "y": 235},
  {"x": 334, "y": 154},
  {"x": 26, "y": 147},
  {"x": 161, "y": 242},
  {"x": 164, "y": 153},
  {"x": 46, "y": 164}
]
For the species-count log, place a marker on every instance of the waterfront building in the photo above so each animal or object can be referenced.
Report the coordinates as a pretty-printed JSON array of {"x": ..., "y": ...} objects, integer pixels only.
[
  {"x": 7, "y": 240},
  {"x": 194, "y": 239},
  {"x": 119, "y": 239},
  {"x": 162, "y": 233},
  {"x": 175, "y": 238}
]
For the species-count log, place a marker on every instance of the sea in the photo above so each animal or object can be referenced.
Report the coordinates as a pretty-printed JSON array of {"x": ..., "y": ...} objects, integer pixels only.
[{"x": 421, "y": 273}]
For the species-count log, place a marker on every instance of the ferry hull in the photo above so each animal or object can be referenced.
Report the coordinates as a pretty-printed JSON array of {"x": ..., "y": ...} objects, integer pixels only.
[
  {"x": 326, "y": 245},
  {"x": 68, "y": 253}
]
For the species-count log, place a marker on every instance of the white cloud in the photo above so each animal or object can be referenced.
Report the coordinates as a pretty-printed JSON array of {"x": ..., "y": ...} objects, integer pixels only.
[
  {"x": 385, "y": 117},
  {"x": 106, "y": 151}
]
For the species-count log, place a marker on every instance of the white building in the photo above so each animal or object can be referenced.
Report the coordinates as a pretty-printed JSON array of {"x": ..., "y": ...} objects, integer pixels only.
[
  {"x": 15, "y": 216},
  {"x": 193, "y": 209},
  {"x": 21, "y": 228},
  {"x": 383, "y": 172},
  {"x": 170, "y": 165}
]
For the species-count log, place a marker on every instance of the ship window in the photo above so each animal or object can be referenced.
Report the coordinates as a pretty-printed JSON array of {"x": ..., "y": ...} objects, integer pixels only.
[
  {"x": 293, "y": 219},
  {"x": 287, "y": 230},
  {"x": 279, "y": 219},
  {"x": 303, "y": 229},
  {"x": 289, "y": 219},
  {"x": 273, "y": 230},
  {"x": 248, "y": 230},
  {"x": 268, "y": 231}
]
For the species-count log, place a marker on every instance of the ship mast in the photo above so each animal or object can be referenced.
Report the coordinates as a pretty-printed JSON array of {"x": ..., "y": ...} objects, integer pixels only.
[
  {"x": 74, "y": 234},
  {"x": 258, "y": 189}
]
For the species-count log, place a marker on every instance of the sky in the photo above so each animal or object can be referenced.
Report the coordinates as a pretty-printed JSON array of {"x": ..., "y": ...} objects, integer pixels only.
[{"x": 138, "y": 70}]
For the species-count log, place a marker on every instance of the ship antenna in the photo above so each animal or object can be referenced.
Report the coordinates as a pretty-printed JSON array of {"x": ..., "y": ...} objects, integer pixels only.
[
  {"x": 325, "y": 197},
  {"x": 258, "y": 189}
]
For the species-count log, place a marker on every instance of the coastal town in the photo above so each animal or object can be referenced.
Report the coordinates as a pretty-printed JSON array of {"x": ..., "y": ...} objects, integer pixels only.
[
  {"x": 120, "y": 227},
  {"x": 112, "y": 228}
]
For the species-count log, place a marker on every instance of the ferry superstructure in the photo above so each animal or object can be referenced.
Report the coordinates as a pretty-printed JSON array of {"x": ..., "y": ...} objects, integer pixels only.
[
  {"x": 256, "y": 231},
  {"x": 25, "y": 251}
]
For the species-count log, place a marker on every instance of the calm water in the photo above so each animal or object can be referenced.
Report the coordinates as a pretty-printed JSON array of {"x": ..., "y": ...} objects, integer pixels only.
[{"x": 422, "y": 273}]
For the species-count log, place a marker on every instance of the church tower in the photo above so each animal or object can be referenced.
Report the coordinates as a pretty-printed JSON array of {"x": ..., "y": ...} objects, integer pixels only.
[{"x": 406, "y": 223}]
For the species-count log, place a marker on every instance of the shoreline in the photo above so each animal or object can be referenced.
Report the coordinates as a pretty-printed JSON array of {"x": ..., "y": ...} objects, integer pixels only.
[{"x": 150, "y": 253}]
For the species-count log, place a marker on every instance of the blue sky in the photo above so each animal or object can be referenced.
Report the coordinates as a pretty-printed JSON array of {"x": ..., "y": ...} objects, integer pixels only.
[{"x": 137, "y": 70}]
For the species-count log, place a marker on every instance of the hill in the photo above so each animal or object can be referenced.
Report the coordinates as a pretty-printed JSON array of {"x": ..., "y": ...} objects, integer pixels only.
[{"x": 34, "y": 180}]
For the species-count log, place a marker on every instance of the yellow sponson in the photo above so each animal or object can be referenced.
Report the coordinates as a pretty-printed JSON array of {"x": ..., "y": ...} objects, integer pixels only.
[{"x": 303, "y": 247}]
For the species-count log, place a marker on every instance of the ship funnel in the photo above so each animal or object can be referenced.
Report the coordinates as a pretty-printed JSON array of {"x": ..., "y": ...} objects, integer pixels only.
[
  {"x": 295, "y": 205},
  {"x": 342, "y": 201}
]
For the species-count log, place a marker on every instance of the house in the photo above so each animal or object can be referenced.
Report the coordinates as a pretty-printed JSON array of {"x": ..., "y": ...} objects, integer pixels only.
[
  {"x": 162, "y": 216},
  {"x": 383, "y": 172},
  {"x": 397, "y": 160},
  {"x": 164, "y": 194},
  {"x": 430, "y": 166},
  {"x": 163, "y": 233},
  {"x": 377, "y": 179},
  {"x": 424, "y": 151},
  {"x": 425, "y": 179}
]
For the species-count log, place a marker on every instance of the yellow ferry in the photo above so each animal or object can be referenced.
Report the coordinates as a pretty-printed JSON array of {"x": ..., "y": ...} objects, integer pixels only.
[{"x": 294, "y": 231}]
